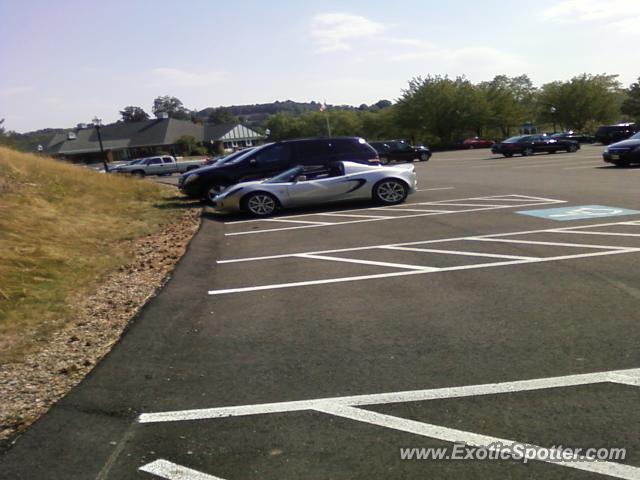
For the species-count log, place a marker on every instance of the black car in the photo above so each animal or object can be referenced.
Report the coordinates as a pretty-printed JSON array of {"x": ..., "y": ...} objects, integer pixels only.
[
  {"x": 571, "y": 135},
  {"x": 271, "y": 159},
  {"x": 614, "y": 133},
  {"x": 526, "y": 145},
  {"x": 623, "y": 153},
  {"x": 400, "y": 151}
]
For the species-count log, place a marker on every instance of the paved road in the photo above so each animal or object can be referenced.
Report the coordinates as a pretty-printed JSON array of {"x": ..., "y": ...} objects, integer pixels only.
[{"x": 449, "y": 318}]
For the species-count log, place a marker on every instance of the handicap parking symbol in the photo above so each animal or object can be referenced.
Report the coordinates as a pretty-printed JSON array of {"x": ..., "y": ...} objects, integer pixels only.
[{"x": 579, "y": 212}]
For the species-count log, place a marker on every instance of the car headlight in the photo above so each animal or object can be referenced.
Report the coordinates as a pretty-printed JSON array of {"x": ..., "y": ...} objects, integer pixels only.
[{"x": 190, "y": 178}]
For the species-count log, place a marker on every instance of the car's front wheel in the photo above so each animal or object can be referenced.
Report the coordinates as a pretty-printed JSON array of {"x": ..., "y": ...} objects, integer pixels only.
[
  {"x": 390, "y": 191},
  {"x": 424, "y": 157},
  {"x": 260, "y": 204},
  {"x": 384, "y": 160},
  {"x": 213, "y": 191},
  {"x": 508, "y": 155},
  {"x": 572, "y": 148},
  {"x": 527, "y": 152}
]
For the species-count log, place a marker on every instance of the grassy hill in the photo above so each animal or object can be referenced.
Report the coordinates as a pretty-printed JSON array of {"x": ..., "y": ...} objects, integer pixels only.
[{"x": 62, "y": 229}]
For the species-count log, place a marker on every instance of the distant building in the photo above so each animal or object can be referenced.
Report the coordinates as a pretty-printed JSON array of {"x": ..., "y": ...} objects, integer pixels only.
[{"x": 123, "y": 141}]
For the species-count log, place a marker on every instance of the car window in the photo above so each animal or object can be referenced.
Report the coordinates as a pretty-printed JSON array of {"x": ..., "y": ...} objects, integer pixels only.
[
  {"x": 514, "y": 139},
  {"x": 275, "y": 154},
  {"x": 167, "y": 159},
  {"x": 154, "y": 161},
  {"x": 313, "y": 149}
]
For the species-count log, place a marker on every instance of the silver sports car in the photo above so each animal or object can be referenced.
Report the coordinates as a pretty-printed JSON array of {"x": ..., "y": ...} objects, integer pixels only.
[{"x": 306, "y": 185}]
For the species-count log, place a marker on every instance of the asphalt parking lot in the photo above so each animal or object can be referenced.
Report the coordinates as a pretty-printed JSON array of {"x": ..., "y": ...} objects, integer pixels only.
[{"x": 318, "y": 343}]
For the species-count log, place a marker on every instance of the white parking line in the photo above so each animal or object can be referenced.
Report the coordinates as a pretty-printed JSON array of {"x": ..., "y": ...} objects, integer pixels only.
[
  {"x": 171, "y": 471},
  {"x": 297, "y": 221},
  {"x": 433, "y": 189},
  {"x": 368, "y": 262},
  {"x": 352, "y": 215},
  {"x": 513, "y": 201},
  {"x": 613, "y": 376},
  {"x": 421, "y": 270},
  {"x": 453, "y": 435},
  {"x": 459, "y": 252}
]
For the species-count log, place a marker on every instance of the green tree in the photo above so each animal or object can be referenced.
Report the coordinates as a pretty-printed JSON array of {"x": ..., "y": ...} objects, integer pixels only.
[
  {"x": 509, "y": 101},
  {"x": 221, "y": 115},
  {"x": 187, "y": 145},
  {"x": 631, "y": 104},
  {"x": 442, "y": 107},
  {"x": 584, "y": 100},
  {"x": 132, "y": 114},
  {"x": 172, "y": 106}
]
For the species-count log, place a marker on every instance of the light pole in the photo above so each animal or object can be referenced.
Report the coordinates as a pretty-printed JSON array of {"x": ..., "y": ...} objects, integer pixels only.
[
  {"x": 553, "y": 117},
  {"x": 97, "y": 123}
]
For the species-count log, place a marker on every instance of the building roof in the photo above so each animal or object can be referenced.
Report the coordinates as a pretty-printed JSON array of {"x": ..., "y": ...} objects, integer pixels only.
[{"x": 147, "y": 133}]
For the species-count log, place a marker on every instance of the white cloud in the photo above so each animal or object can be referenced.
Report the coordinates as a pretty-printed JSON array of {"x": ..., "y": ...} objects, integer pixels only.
[
  {"x": 591, "y": 10},
  {"x": 13, "y": 91},
  {"x": 336, "y": 31},
  {"x": 173, "y": 77}
]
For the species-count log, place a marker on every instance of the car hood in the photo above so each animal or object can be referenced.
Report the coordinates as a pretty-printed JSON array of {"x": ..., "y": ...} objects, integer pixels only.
[{"x": 631, "y": 143}]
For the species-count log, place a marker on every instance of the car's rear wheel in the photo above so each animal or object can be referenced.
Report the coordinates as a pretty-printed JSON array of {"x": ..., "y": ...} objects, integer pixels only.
[
  {"x": 390, "y": 191},
  {"x": 212, "y": 192},
  {"x": 138, "y": 173},
  {"x": 572, "y": 148},
  {"x": 527, "y": 152},
  {"x": 424, "y": 157},
  {"x": 508, "y": 155},
  {"x": 384, "y": 160},
  {"x": 260, "y": 204}
]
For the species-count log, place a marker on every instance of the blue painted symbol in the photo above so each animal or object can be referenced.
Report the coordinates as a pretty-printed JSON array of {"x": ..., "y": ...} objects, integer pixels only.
[{"x": 580, "y": 212}]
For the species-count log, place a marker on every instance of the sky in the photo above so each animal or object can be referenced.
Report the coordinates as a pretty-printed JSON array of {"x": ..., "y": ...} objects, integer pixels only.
[{"x": 68, "y": 61}]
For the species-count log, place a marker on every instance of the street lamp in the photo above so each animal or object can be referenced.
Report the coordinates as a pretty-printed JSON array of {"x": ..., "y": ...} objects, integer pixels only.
[
  {"x": 97, "y": 123},
  {"x": 553, "y": 117}
]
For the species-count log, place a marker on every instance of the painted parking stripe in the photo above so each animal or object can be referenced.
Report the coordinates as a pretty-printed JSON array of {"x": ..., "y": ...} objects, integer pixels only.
[
  {"x": 460, "y": 252},
  {"x": 427, "y": 242},
  {"x": 453, "y": 435},
  {"x": 171, "y": 471},
  {"x": 440, "y": 393},
  {"x": 378, "y": 276},
  {"x": 402, "y": 217},
  {"x": 554, "y": 244},
  {"x": 353, "y": 215},
  {"x": 369, "y": 262},
  {"x": 433, "y": 189},
  {"x": 297, "y": 221}
]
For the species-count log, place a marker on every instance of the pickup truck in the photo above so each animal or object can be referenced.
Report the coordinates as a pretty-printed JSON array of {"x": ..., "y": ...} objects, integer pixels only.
[{"x": 160, "y": 165}]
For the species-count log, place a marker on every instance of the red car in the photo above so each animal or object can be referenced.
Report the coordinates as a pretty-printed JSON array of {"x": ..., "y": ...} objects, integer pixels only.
[{"x": 477, "y": 142}]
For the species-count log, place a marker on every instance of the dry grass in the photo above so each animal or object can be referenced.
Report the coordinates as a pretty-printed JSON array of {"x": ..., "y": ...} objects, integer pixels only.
[{"x": 62, "y": 228}]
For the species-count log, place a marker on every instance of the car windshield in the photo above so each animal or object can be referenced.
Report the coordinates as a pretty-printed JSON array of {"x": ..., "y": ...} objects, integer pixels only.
[
  {"x": 636, "y": 136},
  {"x": 513, "y": 139},
  {"x": 234, "y": 156},
  {"x": 287, "y": 175}
]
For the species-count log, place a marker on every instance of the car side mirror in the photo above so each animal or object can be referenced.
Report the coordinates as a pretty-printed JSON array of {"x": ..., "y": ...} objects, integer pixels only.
[{"x": 301, "y": 178}]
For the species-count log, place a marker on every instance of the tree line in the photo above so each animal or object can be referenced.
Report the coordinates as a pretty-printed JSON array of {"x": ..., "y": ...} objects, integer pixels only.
[
  {"x": 435, "y": 110},
  {"x": 439, "y": 110}
]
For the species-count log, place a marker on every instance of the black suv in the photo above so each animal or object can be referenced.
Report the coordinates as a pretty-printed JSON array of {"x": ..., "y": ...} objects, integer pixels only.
[
  {"x": 400, "y": 151},
  {"x": 271, "y": 159},
  {"x": 614, "y": 133}
]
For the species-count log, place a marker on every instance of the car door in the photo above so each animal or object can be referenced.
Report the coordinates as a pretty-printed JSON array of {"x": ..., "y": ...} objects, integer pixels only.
[
  {"x": 319, "y": 184},
  {"x": 154, "y": 166},
  {"x": 169, "y": 165},
  {"x": 403, "y": 152},
  {"x": 267, "y": 162}
]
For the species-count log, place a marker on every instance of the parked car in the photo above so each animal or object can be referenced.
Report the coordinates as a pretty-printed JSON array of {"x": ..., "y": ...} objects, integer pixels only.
[
  {"x": 614, "y": 133},
  {"x": 477, "y": 142},
  {"x": 530, "y": 144},
  {"x": 318, "y": 184},
  {"x": 160, "y": 165},
  {"x": 400, "y": 151},
  {"x": 571, "y": 135},
  {"x": 623, "y": 153},
  {"x": 271, "y": 159}
]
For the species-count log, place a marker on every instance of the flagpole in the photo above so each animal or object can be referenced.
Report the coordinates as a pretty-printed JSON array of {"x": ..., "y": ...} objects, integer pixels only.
[{"x": 326, "y": 113}]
